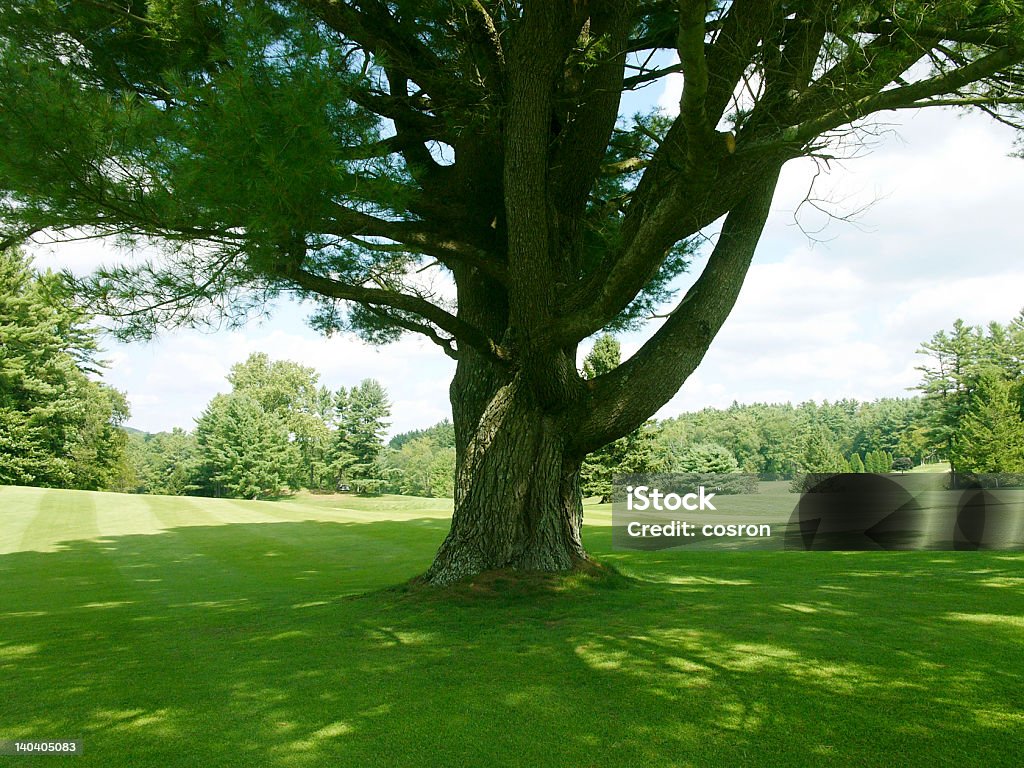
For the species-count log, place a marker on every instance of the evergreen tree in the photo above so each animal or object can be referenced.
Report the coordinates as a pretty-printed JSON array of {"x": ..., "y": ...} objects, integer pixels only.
[
  {"x": 857, "y": 464},
  {"x": 442, "y": 473},
  {"x": 604, "y": 356},
  {"x": 632, "y": 454},
  {"x": 167, "y": 463},
  {"x": 992, "y": 431},
  {"x": 362, "y": 415},
  {"x": 948, "y": 384},
  {"x": 246, "y": 450},
  {"x": 821, "y": 454},
  {"x": 705, "y": 458},
  {"x": 441, "y": 434},
  {"x": 58, "y": 427},
  {"x": 291, "y": 392}
]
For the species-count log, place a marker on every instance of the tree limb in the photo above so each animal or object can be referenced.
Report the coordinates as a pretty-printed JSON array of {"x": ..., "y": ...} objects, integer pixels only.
[
  {"x": 459, "y": 329},
  {"x": 905, "y": 96},
  {"x": 624, "y": 398},
  {"x": 690, "y": 46}
]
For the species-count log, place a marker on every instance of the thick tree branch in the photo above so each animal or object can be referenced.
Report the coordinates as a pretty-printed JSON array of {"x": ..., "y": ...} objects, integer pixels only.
[
  {"x": 690, "y": 46},
  {"x": 744, "y": 27},
  {"x": 370, "y": 24},
  {"x": 418, "y": 236},
  {"x": 583, "y": 142},
  {"x": 536, "y": 52},
  {"x": 624, "y": 398}
]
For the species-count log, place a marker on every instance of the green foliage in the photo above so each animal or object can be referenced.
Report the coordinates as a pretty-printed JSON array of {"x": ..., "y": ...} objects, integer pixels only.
[
  {"x": 245, "y": 449},
  {"x": 972, "y": 384},
  {"x": 361, "y": 414},
  {"x": 290, "y": 391},
  {"x": 442, "y": 434},
  {"x": 821, "y": 454},
  {"x": 878, "y": 461},
  {"x": 857, "y": 464},
  {"x": 58, "y": 427},
  {"x": 902, "y": 464},
  {"x": 703, "y": 458},
  {"x": 632, "y": 454},
  {"x": 442, "y": 473},
  {"x": 166, "y": 463},
  {"x": 421, "y": 467},
  {"x": 991, "y": 437},
  {"x": 780, "y": 441},
  {"x": 605, "y": 356}
]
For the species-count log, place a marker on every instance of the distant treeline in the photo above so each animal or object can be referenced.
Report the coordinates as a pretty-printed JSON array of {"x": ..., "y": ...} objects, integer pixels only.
[{"x": 279, "y": 430}]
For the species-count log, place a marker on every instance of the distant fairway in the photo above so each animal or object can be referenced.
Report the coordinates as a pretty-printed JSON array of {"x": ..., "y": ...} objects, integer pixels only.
[{"x": 202, "y": 632}]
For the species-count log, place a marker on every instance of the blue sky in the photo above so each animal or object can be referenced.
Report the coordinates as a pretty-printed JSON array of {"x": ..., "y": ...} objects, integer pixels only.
[{"x": 837, "y": 313}]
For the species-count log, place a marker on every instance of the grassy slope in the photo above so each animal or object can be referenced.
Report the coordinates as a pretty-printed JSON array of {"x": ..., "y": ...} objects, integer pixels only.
[{"x": 174, "y": 632}]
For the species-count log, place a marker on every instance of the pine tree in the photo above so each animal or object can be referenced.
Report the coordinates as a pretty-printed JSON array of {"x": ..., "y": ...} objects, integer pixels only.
[
  {"x": 58, "y": 427},
  {"x": 857, "y": 464},
  {"x": 604, "y": 356},
  {"x": 362, "y": 414},
  {"x": 245, "y": 449},
  {"x": 992, "y": 431},
  {"x": 291, "y": 392},
  {"x": 632, "y": 454},
  {"x": 821, "y": 454},
  {"x": 705, "y": 458}
]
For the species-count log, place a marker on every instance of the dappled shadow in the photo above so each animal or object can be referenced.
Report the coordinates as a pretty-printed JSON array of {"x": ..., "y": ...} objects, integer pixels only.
[{"x": 278, "y": 644}]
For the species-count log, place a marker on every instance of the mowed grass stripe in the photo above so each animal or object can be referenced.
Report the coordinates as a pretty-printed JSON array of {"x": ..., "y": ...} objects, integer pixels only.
[
  {"x": 124, "y": 514},
  {"x": 358, "y": 509},
  {"x": 60, "y": 517},
  {"x": 18, "y": 506}
]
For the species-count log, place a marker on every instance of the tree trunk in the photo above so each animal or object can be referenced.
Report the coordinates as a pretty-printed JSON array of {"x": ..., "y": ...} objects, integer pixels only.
[{"x": 517, "y": 498}]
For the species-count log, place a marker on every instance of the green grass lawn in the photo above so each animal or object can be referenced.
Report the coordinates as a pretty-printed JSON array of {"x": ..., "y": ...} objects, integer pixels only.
[
  {"x": 194, "y": 632},
  {"x": 942, "y": 466}
]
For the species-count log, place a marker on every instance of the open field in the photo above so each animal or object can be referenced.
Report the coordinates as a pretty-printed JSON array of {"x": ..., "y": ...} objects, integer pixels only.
[{"x": 198, "y": 632}]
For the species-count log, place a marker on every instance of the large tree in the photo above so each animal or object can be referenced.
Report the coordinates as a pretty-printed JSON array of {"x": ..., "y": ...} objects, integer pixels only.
[
  {"x": 347, "y": 151},
  {"x": 361, "y": 414}
]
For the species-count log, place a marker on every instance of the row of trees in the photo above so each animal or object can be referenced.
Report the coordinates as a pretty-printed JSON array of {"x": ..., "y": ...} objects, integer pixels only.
[
  {"x": 775, "y": 441},
  {"x": 277, "y": 429},
  {"x": 971, "y": 414},
  {"x": 59, "y": 427}
]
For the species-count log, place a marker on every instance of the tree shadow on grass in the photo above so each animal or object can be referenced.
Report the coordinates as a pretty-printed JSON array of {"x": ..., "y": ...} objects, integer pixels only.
[{"x": 278, "y": 644}]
